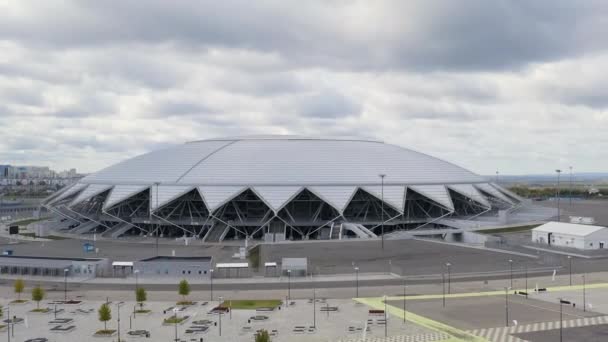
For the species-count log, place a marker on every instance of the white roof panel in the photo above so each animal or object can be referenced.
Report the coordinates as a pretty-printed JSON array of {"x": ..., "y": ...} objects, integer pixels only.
[
  {"x": 166, "y": 194},
  {"x": 122, "y": 192},
  {"x": 492, "y": 191},
  {"x": 568, "y": 228},
  {"x": 336, "y": 196},
  {"x": 469, "y": 191},
  {"x": 277, "y": 196},
  {"x": 90, "y": 191},
  {"x": 216, "y": 196},
  {"x": 311, "y": 162},
  {"x": 437, "y": 193},
  {"x": 394, "y": 195},
  {"x": 72, "y": 190},
  {"x": 164, "y": 166}
]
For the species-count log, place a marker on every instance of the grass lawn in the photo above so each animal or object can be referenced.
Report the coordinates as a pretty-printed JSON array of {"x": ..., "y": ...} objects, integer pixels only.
[
  {"x": 251, "y": 304},
  {"x": 507, "y": 230},
  {"x": 174, "y": 320},
  {"x": 107, "y": 332},
  {"x": 19, "y": 301},
  {"x": 49, "y": 237},
  {"x": 44, "y": 310},
  {"x": 142, "y": 311}
]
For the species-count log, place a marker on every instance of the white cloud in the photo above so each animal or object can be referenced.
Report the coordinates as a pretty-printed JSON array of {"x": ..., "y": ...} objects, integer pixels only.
[{"x": 513, "y": 86}]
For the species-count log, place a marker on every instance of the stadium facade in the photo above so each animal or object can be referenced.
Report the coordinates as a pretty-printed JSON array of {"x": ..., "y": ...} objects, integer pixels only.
[{"x": 275, "y": 188}]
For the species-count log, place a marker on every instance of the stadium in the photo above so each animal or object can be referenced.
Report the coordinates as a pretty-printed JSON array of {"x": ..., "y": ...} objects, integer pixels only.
[{"x": 275, "y": 188}]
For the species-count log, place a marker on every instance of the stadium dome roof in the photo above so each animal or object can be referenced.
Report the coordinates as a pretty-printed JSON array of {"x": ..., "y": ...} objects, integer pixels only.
[
  {"x": 283, "y": 160},
  {"x": 277, "y": 168}
]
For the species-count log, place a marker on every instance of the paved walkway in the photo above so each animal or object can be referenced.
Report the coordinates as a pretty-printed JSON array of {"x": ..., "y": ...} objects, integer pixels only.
[
  {"x": 411, "y": 338},
  {"x": 503, "y": 334}
]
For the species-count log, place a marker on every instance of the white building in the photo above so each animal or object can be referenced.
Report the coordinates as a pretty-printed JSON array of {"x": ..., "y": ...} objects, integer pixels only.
[{"x": 580, "y": 236}]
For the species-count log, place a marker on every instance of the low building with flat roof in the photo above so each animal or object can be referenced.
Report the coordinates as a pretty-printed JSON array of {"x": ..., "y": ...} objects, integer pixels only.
[
  {"x": 580, "y": 236},
  {"x": 170, "y": 266},
  {"x": 53, "y": 267}
]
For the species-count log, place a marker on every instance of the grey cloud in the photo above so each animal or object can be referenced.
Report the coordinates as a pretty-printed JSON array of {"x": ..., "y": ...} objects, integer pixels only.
[
  {"x": 328, "y": 104},
  {"x": 424, "y": 35}
]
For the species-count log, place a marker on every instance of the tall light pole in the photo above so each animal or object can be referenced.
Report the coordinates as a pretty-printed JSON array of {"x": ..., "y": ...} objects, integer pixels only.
[
  {"x": 175, "y": 310},
  {"x": 570, "y": 196},
  {"x": 558, "y": 171},
  {"x": 118, "y": 305},
  {"x": 65, "y": 284},
  {"x": 8, "y": 324},
  {"x": 157, "y": 228},
  {"x": 526, "y": 272},
  {"x": 570, "y": 268},
  {"x": 314, "y": 303},
  {"x": 288, "y": 285},
  {"x": 561, "y": 322},
  {"x": 221, "y": 311},
  {"x": 385, "y": 318},
  {"x": 511, "y": 271},
  {"x": 211, "y": 279},
  {"x": 382, "y": 175},
  {"x": 443, "y": 282},
  {"x": 447, "y": 266},
  {"x": 404, "y": 298},
  {"x": 507, "y": 306},
  {"x": 584, "y": 294},
  {"x": 357, "y": 281}
]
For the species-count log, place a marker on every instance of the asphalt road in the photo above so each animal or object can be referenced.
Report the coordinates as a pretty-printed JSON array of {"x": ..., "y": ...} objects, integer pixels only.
[{"x": 594, "y": 333}]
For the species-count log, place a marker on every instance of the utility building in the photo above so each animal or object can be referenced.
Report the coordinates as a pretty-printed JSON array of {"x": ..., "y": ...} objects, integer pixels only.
[{"x": 580, "y": 236}]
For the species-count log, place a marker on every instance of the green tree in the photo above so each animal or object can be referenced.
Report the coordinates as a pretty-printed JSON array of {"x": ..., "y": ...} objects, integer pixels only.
[
  {"x": 262, "y": 336},
  {"x": 38, "y": 295},
  {"x": 141, "y": 296},
  {"x": 184, "y": 288},
  {"x": 105, "y": 314},
  {"x": 19, "y": 286}
]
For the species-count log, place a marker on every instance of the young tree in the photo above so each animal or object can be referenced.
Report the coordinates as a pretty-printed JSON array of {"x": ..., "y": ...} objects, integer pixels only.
[
  {"x": 184, "y": 288},
  {"x": 38, "y": 295},
  {"x": 262, "y": 336},
  {"x": 141, "y": 296},
  {"x": 105, "y": 314},
  {"x": 19, "y": 286}
]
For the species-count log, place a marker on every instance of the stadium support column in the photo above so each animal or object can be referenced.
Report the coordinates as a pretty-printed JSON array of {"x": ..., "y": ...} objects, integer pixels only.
[
  {"x": 382, "y": 206},
  {"x": 558, "y": 171}
]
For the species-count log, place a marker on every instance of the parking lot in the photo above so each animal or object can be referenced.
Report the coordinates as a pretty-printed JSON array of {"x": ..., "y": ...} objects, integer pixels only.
[{"x": 344, "y": 320}]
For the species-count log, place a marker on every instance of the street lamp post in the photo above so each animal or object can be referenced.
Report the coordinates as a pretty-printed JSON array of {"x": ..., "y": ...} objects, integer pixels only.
[
  {"x": 136, "y": 272},
  {"x": 558, "y": 171},
  {"x": 570, "y": 268},
  {"x": 570, "y": 195},
  {"x": 448, "y": 265},
  {"x": 221, "y": 311},
  {"x": 560, "y": 320},
  {"x": 175, "y": 310},
  {"x": 65, "y": 284},
  {"x": 404, "y": 298},
  {"x": 584, "y": 294},
  {"x": 526, "y": 273},
  {"x": 382, "y": 207},
  {"x": 357, "y": 281},
  {"x": 507, "y": 306},
  {"x": 511, "y": 271},
  {"x": 157, "y": 228},
  {"x": 288, "y": 285},
  {"x": 211, "y": 280},
  {"x": 118, "y": 305},
  {"x": 8, "y": 324},
  {"x": 314, "y": 304},
  {"x": 385, "y": 318},
  {"x": 443, "y": 282}
]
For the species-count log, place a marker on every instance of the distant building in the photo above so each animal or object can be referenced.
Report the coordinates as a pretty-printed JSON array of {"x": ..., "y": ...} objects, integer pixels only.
[{"x": 580, "y": 236}]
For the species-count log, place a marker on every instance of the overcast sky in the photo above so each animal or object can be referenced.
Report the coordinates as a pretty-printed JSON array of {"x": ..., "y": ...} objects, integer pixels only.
[{"x": 515, "y": 86}]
